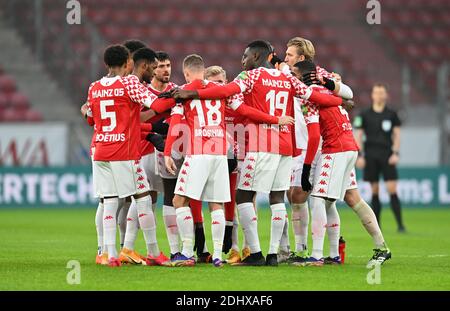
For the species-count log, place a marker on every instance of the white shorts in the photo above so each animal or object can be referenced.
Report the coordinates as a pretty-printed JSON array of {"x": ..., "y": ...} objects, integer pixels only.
[
  {"x": 335, "y": 174},
  {"x": 265, "y": 172},
  {"x": 297, "y": 169},
  {"x": 119, "y": 178},
  {"x": 204, "y": 177},
  {"x": 149, "y": 165},
  {"x": 161, "y": 169}
]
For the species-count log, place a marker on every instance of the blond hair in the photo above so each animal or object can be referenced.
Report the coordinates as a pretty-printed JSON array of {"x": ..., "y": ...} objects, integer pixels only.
[
  {"x": 212, "y": 71},
  {"x": 304, "y": 47},
  {"x": 193, "y": 61}
]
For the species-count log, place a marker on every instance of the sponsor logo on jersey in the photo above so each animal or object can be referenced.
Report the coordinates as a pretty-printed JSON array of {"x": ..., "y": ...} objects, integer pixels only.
[
  {"x": 187, "y": 217},
  {"x": 277, "y": 218},
  {"x": 109, "y": 217},
  {"x": 276, "y": 83},
  {"x": 108, "y": 93}
]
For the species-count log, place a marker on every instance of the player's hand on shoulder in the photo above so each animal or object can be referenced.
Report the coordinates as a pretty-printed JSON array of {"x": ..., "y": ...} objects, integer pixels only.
[
  {"x": 170, "y": 165},
  {"x": 286, "y": 120},
  {"x": 178, "y": 93}
]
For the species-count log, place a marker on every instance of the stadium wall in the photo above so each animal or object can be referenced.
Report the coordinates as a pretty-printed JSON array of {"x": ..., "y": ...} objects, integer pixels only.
[{"x": 63, "y": 187}]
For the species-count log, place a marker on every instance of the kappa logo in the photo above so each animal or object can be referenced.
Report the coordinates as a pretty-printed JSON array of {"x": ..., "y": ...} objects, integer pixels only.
[
  {"x": 182, "y": 180},
  {"x": 326, "y": 165},
  {"x": 109, "y": 217},
  {"x": 352, "y": 175},
  {"x": 181, "y": 189},
  {"x": 251, "y": 159},
  {"x": 139, "y": 170},
  {"x": 183, "y": 172},
  {"x": 323, "y": 182},
  {"x": 136, "y": 162},
  {"x": 249, "y": 167},
  {"x": 321, "y": 190},
  {"x": 246, "y": 184},
  {"x": 142, "y": 215},
  {"x": 277, "y": 218},
  {"x": 353, "y": 183},
  {"x": 248, "y": 175},
  {"x": 324, "y": 174},
  {"x": 187, "y": 217},
  {"x": 328, "y": 157},
  {"x": 141, "y": 186},
  {"x": 215, "y": 222},
  {"x": 186, "y": 164},
  {"x": 140, "y": 178}
]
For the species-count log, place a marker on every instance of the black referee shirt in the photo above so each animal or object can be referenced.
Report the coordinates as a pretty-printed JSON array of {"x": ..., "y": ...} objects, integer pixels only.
[{"x": 378, "y": 129}]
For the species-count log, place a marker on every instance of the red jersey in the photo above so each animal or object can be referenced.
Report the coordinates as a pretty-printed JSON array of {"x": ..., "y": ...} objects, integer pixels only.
[
  {"x": 206, "y": 122},
  {"x": 115, "y": 104},
  {"x": 335, "y": 128},
  {"x": 272, "y": 92},
  {"x": 146, "y": 146}
]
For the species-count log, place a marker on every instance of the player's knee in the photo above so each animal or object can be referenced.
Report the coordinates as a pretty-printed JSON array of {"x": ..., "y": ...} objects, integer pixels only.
[
  {"x": 391, "y": 186},
  {"x": 179, "y": 201},
  {"x": 352, "y": 197},
  {"x": 276, "y": 197},
  {"x": 375, "y": 187},
  {"x": 243, "y": 196},
  {"x": 298, "y": 195}
]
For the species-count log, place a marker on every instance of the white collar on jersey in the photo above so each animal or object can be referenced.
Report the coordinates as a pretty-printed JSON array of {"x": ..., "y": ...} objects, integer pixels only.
[{"x": 106, "y": 81}]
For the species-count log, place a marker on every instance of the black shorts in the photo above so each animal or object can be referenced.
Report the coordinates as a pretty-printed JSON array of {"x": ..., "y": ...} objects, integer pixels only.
[{"x": 377, "y": 166}]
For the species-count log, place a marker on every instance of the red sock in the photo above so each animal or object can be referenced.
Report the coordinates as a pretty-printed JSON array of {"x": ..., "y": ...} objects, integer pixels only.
[
  {"x": 229, "y": 206},
  {"x": 196, "y": 209}
]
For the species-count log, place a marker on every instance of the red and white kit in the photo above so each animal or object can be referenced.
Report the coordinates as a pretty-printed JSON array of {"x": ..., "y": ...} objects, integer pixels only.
[
  {"x": 205, "y": 166},
  {"x": 268, "y": 162},
  {"x": 151, "y": 158},
  {"x": 335, "y": 173},
  {"x": 115, "y": 104}
]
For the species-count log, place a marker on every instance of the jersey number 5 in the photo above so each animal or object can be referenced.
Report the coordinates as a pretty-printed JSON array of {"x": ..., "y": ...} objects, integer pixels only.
[
  {"x": 111, "y": 115},
  {"x": 277, "y": 100}
]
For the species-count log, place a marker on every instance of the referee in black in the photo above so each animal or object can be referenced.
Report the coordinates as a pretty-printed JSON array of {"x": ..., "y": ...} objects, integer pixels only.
[{"x": 380, "y": 152}]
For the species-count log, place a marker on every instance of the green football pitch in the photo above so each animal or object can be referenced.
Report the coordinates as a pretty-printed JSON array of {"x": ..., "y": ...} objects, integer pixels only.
[{"x": 36, "y": 245}]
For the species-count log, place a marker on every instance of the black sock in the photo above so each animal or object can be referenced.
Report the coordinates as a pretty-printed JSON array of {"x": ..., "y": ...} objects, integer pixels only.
[
  {"x": 396, "y": 208},
  {"x": 376, "y": 206}
]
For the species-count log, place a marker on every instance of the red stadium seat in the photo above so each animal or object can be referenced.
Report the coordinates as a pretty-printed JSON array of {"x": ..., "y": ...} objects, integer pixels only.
[
  {"x": 7, "y": 84},
  {"x": 19, "y": 101}
]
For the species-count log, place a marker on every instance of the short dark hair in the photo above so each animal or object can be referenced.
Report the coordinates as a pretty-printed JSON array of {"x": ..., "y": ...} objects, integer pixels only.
[
  {"x": 262, "y": 46},
  {"x": 115, "y": 55},
  {"x": 134, "y": 45},
  {"x": 305, "y": 66},
  {"x": 144, "y": 54},
  {"x": 162, "y": 56}
]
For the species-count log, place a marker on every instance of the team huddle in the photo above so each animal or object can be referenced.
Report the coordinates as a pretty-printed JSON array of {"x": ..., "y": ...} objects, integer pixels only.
[{"x": 279, "y": 128}]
